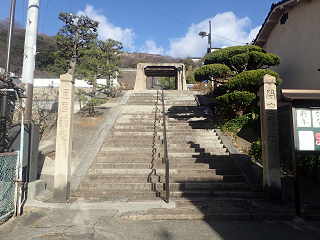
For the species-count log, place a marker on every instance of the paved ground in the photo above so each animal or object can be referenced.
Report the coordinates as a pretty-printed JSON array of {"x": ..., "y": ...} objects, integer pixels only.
[
  {"x": 79, "y": 224},
  {"x": 120, "y": 218}
]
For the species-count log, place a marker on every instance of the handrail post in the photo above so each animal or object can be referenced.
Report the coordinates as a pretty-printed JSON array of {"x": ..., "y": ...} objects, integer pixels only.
[{"x": 165, "y": 147}]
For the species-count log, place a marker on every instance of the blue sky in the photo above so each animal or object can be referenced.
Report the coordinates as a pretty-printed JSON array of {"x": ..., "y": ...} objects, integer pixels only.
[{"x": 168, "y": 27}]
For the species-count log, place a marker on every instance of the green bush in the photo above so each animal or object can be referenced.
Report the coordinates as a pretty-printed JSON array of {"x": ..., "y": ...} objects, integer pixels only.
[
  {"x": 249, "y": 80},
  {"x": 234, "y": 125},
  {"x": 235, "y": 103},
  {"x": 256, "y": 149},
  {"x": 97, "y": 101},
  {"x": 212, "y": 70},
  {"x": 224, "y": 54},
  {"x": 169, "y": 83},
  {"x": 220, "y": 90},
  {"x": 310, "y": 166}
]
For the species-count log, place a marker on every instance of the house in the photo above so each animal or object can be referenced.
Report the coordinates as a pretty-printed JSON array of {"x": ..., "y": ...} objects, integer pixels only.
[{"x": 291, "y": 31}]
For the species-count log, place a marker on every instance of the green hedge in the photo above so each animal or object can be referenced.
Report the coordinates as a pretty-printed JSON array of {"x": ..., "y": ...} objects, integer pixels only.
[
  {"x": 224, "y": 54},
  {"x": 212, "y": 70},
  {"x": 236, "y": 102},
  {"x": 249, "y": 80}
]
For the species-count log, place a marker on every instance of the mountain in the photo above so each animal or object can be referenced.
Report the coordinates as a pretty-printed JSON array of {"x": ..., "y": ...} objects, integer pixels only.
[{"x": 46, "y": 49}]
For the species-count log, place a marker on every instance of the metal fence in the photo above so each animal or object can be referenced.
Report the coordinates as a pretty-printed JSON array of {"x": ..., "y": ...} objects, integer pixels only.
[{"x": 8, "y": 174}]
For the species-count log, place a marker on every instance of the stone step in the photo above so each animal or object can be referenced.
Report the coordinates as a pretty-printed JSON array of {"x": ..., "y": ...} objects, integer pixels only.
[
  {"x": 114, "y": 165},
  {"x": 114, "y": 193},
  {"x": 161, "y": 178},
  {"x": 120, "y": 186},
  {"x": 102, "y": 157},
  {"x": 172, "y": 139},
  {"x": 162, "y": 171},
  {"x": 216, "y": 193},
  {"x": 208, "y": 186},
  {"x": 149, "y": 153},
  {"x": 160, "y": 149},
  {"x": 161, "y": 186},
  {"x": 190, "y": 194},
  {"x": 129, "y": 163},
  {"x": 149, "y": 132},
  {"x": 158, "y": 145}
]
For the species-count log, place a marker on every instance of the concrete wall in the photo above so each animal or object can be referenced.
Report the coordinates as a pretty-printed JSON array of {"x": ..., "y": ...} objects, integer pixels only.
[{"x": 297, "y": 43}]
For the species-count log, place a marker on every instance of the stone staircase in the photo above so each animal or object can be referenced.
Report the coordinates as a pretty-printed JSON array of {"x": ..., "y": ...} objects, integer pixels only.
[{"x": 129, "y": 163}]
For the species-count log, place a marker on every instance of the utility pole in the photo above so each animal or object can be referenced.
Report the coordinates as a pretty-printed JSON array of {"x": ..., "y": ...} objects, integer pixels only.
[
  {"x": 4, "y": 102},
  {"x": 30, "y": 51},
  {"x": 209, "y": 37}
]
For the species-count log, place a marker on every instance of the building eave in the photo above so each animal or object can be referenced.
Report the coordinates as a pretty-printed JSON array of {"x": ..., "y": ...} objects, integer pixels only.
[{"x": 276, "y": 11}]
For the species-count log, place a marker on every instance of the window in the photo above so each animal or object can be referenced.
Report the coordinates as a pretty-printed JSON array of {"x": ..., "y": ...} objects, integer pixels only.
[{"x": 284, "y": 18}]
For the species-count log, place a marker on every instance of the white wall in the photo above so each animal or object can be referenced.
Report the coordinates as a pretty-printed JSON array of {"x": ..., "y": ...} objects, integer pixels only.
[{"x": 55, "y": 82}]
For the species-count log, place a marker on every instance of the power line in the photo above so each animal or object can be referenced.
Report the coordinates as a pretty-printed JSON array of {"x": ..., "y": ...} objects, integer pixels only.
[
  {"x": 23, "y": 15},
  {"x": 45, "y": 16},
  {"x": 184, "y": 22},
  {"x": 71, "y": 6}
]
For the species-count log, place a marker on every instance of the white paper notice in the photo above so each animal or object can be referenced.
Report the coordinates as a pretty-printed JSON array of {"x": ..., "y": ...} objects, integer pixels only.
[
  {"x": 316, "y": 118},
  {"x": 306, "y": 140},
  {"x": 303, "y": 118}
]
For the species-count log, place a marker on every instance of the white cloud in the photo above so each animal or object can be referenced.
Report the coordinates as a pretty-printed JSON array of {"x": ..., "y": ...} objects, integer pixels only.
[
  {"x": 108, "y": 30},
  {"x": 225, "y": 25},
  {"x": 151, "y": 47}
]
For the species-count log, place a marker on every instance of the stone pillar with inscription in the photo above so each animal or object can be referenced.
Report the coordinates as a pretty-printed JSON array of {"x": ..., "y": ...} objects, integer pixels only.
[
  {"x": 269, "y": 139},
  {"x": 64, "y": 138}
]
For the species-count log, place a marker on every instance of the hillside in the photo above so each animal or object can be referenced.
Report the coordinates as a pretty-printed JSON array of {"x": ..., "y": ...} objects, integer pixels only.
[{"x": 46, "y": 49}]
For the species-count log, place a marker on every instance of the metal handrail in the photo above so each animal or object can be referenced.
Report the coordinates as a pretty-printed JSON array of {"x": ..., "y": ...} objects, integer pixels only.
[{"x": 165, "y": 148}]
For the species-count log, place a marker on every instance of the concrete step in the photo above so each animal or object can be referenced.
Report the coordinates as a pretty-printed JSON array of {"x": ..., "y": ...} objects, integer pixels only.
[
  {"x": 103, "y": 157},
  {"x": 214, "y": 193},
  {"x": 161, "y": 178},
  {"x": 148, "y": 153},
  {"x": 114, "y": 165},
  {"x": 129, "y": 163},
  {"x": 208, "y": 186},
  {"x": 120, "y": 186},
  {"x": 162, "y": 171},
  {"x": 121, "y": 178},
  {"x": 161, "y": 186},
  {"x": 115, "y": 193},
  {"x": 172, "y": 143}
]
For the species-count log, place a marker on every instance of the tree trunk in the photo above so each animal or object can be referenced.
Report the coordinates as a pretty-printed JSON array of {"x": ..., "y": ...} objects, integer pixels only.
[
  {"x": 94, "y": 89},
  {"x": 73, "y": 61}
]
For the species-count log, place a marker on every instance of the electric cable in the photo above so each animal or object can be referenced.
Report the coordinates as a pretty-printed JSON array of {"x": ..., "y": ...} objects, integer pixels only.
[
  {"x": 23, "y": 14},
  {"x": 45, "y": 16},
  {"x": 186, "y": 23},
  {"x": 71, "y": 7}
]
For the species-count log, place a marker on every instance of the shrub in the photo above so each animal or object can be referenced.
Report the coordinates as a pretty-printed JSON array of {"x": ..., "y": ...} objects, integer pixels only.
[
  {"x": 234, "y": 125},
  {"x": 223, "y": 55},
  {"x": 212, "y": 70},
  {"x": 249, "y": 80},
  {"x": 256, "y": 149},
  {"x": 310, "y": 166},
  {"x": 236, "y": 102},
  {"x": 97, "y": 101}
]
